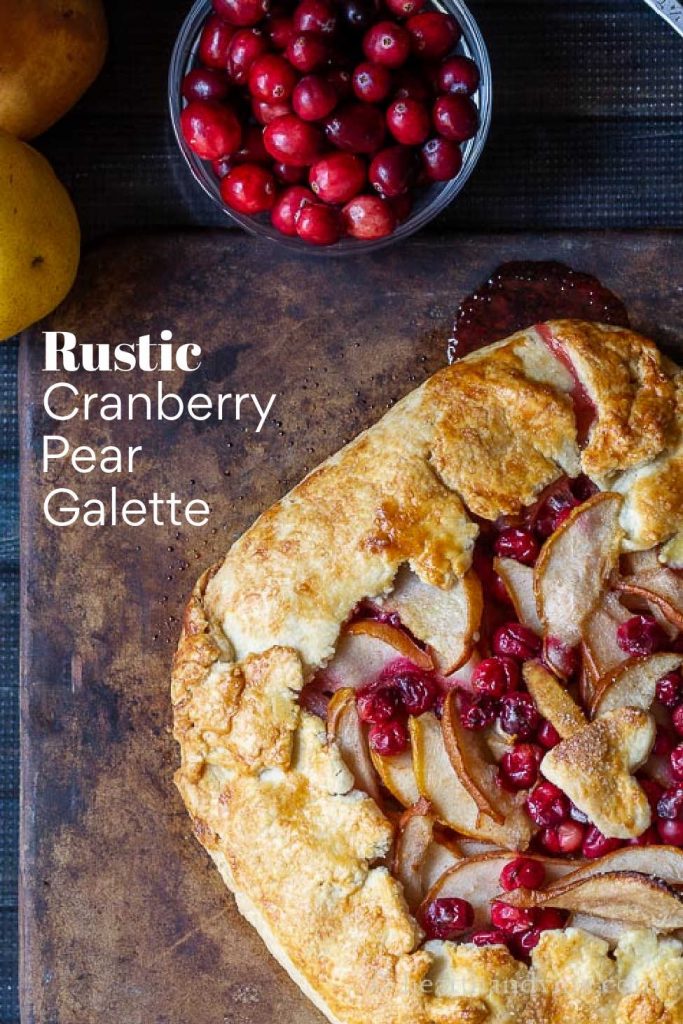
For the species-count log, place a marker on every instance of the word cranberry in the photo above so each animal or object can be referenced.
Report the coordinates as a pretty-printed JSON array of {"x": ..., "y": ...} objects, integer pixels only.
[
  {"x": 356, "y": 128},
  {"x": 245, "y": 47},
  {"x": 265, "y": 113},
  {"x": 519, "y": 766},
  {"x": 490, "y": 677},
  {"x": 338, "y": 177},
  {"x": 677, "y": 719},
  {"x": 518, "y": 715},
  {"x": 375, "y": 704},
  {"x": 313, "y": 98},
  {"x": 241, "y": 12},
  {"x": 292, "y": 140},
  {"x": 205, "y": 84},
  {"x": 307, "y": 52},
  {"x": 211, "y": 130},
  {"x": 249, "y": 188},
  {"x": 477, "y": 712},
  {"x": 315, "y": 16},
  {"x": 648, "y": 838},
  {"x": 410, "y": 84},
  {"x": 404, "y": 8},
  {"x": 271, "y": 78},
  {"x": 518, "y": 543},
  {"x": 490, "y": 937},
  {"x": 547, "y": 805},
  {"x": 408, "y": 121},
  {"x": 670, "y": 804},
  {"x": 640, "y": 635},
  {"x": 563, "y": 839},
  {"x": 280, "y": 30},
  {"x": 522, "y": 872},
  {"x": 387, "y": 43},
  {"x": 371, "y": 82},
  {"x": 418, "y": 692},
  {"x": 392, "y": 171},
  {"x": 447, "y": 917},
  {"x": 282, "y": 217},
  {"x": 670, "y": 689},
  {"x": 510, "y": 920},
  {"x": 455, "y": 117},
  {"x": 369, "y": 217},
  {"x": 596, "y": 844},
  {"x": 670, "y": 832},
  {"x": 214, "y": 43},
  {"x": 516, "y": 640},
  {"x": 547, "y": 735},
  {"x": 288, "y": 173},
  {"x": 388, "y": 738},
  {"x": 319, "y": 225},
  {"x": 434, "y": 34},
  {"x": 458, "y": 75}
]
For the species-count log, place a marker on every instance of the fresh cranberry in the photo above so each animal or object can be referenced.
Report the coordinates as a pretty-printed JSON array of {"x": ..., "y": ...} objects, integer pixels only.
[
  {"x": 418, "y": 691},
  {"x": 553, "y": 511},
  {"x": 640, "y": 635},
  {"x": 210, "y": 129},
  {"x": 596, "y": 844},
  {"x": 266, "y": 113},
  {"x": 512, "y": 673},
  {"x": 670, "y": 690},
  {"x": 214, "y": 43},
  {"x": 523, "y": 943},
  {"x": 455, "y": 117},
  {"x": 670, "y": 832},
  {"x": 518, "y": 543},
  {"x": 670, "y": 804},
  {"x": 371, "y": 82},
  {"x": 249, "y": 188},
  {"x": 563, "y": 839},
  {"x": 282, "y": 216},
  {"x": 387, "y": 738},
  {"x": 222, "y": 166},
  {"x": 387, "y": 43},
  {"x": 307, "y": 52},
  {"x": 519, "y": 766},
  {"x": 401, "y": 206},
  {"x": 551, "y": 918},
  {"x": 315, "y": 16},
  {"x": 664, "y": 742},
  {"x": 677, "y": 719},
  {"x": 356, "y": 128},
  {"x": 409, "y": 83},
  {"x": 369, "y": 217},
  {"x": 338, "y": 177},
  {"x": 458, "y": 75},
  {"x": 518, "y": 715},
  {"x": 251, "y": 150},
  {"x": 492, "y": 937},
  {"x": 434, "y": 34},
  {"x": 522, "y": 872},
  {"x": 653, "y": 791},
  {"x": 341, "y": 82},
  {"x": 320, "y": 225},
  {"x": 205, "y": 84},
  {"x": 547, "y": 735},
  {"x": 408, "y": 121},
  {"x": 289, "y": 174},
  {"x": 359, "y": 14},
  {"x": 292, "y": 140},
  {"x": 313, "y": 98},
  {"x": 490, "y": 677},
  {"x": 242, "y": 12},
  {"x": 561, "y": 658},
  {"x": 447, "y": 917},
  {"x": 442, "y": 160},
  {"x": 404, "y": 8},
  {"x": 477, "y": 712},
  {"x": 547, "y": 805},
  {"x": 245, "y": 47},
  {"x": 280, "y": 30},
  {"x": 271, "y": 78},
  {"x": 510, "y": 920},
  {"x": 516, "y": 640},
  {"x": 376, "y": 704},
  {"x": 648, "y": 838},
  {"x": 392, "y": 171}
]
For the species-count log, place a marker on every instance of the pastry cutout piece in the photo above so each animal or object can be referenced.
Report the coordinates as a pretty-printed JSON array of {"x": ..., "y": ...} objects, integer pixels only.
[
  {"x": 633, "y": 684},
  {"x": 637, "y": 899},
  {"x": 574, "y": 564},
  {"x": 552, "y": 700},
  {"x": 662, "y": 587},
  {"x": 594, "y": 767},
  {"x": 413, "y": 840},
  {"x": 672, "y": 551},
  {"x": 365, "y": 650},
  {"x": 665, "y": 862},
  {"x": 519, "y": 583},
  {"x": 345, "y": 728},
  {"x": 446, "y": 621},
  {"x": 398, "y": 776}
]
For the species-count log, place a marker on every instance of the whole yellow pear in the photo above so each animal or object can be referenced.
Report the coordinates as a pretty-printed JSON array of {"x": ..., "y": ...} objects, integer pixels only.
[
  {"x": 50, "y": 52},
  {"x": 39, "y": 237}
]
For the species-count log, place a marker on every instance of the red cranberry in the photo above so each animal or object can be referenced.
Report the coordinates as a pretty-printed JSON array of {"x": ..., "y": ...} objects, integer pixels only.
[
  {"x": 563, "y": 839},
  {"x": 369, "y": 217},
  {"x": 214, "y": 43},
  {"x": 340, "y": 80},
  {"x": 441, "y": 160},
  {"x": 292, "y": 140},
  {"x": 320, "y": 225},
  {"x": 392, "y": 171},
  {"x": 280, "y": 30},
  {"x": 455, "y": 117},
  {"x": 434, "y": 34},
  {"x": 670, "y": 804},
  {"x": 313, "y": 98},
  {"x": 411, "y": 84},
  {"x": 518, "y": 715},
  {"x": 418, "y": 691},
  {"x": 271, "y": 78},
  {"x": 408, "y": 121},
  {"x": 670, "y": 832},
  {"x": 356, "y": 128},
  {"x": 491, "y": 677},
  {"x": 401, "y": 206},
  {"x": 371, "y": 82},
  {"x": 222, "y": 166},
  {"x": 289, "y": 174},
  {"x": 596, "y": 844},
  {"x": 518, "y": 543},
  {"x": 282, "y": 216},
  {"x": 315, "y": 16},
  {"x": 245, "y": 47},
  {"x": 640, "y": 635},
  {"x": 648, "y": 838},
  {"x": 307, "y": 52},
  {"x": 387, "y": 43},
  {"x": 205, "y": 84},
  {"x": 677, "y": 719},
  {"x": 492, "y": 937},
  {"x": 522, "y": 872},
  {"x": 242, "y": 12},
  {"x": 525, "y": 942},
  {"x": 510, "y": 920},
  {"x": 249, "y": 188},
  {"x": 387, "y": 738},
  {"x": 377, "y": 704},
  {"x": 477, "y": 712},
  {"x": 359, "y": 14},
  {"x": 447, "y": 917},
  {"x": 553, "y": 511},
  {"x": 519, "y": 766},
  {"x": 516, "y": 640},
  {"x": 211, "y": 130},
  {"x": 252, "y": 150},
  {"x": 265, "y": 113},
  {"x": 670, "y": 689},
  {"x": 551, "y": 918},
  {"x": 404, "y": 8},
  {"x": 676, "y": 759},
  {"x": 653, "y": 791},
  {"x": 561, "y": 658},
  {"x": 664, "y": 742},
  {"x": 338, "y": 177},
  {"x": 458, "y": 75},
  {"x": 547, "y": 805}
]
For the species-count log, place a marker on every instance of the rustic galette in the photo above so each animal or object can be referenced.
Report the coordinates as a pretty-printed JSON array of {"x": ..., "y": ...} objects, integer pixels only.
[{"x": 430, "y": 707}]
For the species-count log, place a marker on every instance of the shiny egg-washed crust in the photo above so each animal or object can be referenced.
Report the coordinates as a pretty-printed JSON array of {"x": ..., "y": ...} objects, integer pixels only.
[{"x": 272, "y": 800}]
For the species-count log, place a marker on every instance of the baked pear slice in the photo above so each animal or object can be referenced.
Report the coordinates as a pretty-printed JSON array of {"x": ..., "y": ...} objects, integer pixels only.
[
  {"x": 366, "y": 648},
  {"x": 397, "y": 775},
  {"x": 633, "y": 683},
  {"x": 601, "y": 652},
  {"x": 665, "y": 862},
  {"x": 345, "y": 728},
  {"x": 519, "y": 583},
  {"x": 413, "y": 839},
  {"x": 662, "y": 587},
  {"x": 552, "y": 700}
]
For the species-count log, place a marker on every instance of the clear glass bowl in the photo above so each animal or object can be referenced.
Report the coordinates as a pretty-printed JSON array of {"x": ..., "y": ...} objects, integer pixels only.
[{"x": 429, "y": 202}]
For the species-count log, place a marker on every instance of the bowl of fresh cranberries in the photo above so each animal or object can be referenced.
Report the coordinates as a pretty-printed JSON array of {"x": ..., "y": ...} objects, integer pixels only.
[{"x": 336, "y": 126}]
